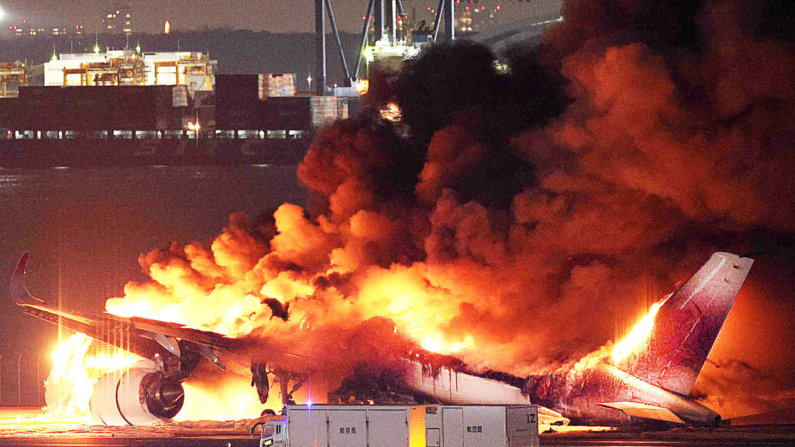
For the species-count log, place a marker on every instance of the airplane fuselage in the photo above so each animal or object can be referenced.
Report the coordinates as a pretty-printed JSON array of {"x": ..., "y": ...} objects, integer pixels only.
[{"x": 582, "y": 396}]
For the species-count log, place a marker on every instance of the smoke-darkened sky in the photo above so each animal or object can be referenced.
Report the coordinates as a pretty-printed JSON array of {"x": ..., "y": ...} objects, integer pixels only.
[{"x": 267, "y": 15}]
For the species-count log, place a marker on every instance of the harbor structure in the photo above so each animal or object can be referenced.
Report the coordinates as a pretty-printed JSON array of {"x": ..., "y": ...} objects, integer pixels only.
[{"x": 128, "y": 67}]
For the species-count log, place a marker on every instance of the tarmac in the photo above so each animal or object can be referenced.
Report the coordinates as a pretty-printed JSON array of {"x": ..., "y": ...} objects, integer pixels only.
[{"x": 31, "y": 426}]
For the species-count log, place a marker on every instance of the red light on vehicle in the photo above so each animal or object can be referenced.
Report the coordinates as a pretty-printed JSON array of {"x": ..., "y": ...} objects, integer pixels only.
[
  {"x": 482, "y": 8},
  {"x": 499, "y": 7},
  {"x": 429, "y": 8},
  {"x": 8, "y": 132},
  {"x": 467, "y": 8}
]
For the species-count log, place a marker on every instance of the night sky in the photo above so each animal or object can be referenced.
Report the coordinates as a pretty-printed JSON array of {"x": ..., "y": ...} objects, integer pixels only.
[{"x": 267, "y": 15}]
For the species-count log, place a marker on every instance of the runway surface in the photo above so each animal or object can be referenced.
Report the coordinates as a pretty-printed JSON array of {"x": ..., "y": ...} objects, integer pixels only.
[
  {"x": 30, "y": 427},
  {"x": 236, "y": 441},
  {"x": 770, "y": 436}
]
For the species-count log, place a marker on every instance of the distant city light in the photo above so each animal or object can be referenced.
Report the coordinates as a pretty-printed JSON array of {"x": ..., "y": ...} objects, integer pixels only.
[
  {"x": 2, "y": 13},
  {"x": 167, "y": 27}
]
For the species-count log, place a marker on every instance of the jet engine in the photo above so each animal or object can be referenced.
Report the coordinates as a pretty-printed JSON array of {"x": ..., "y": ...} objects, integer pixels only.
[{"x": 139, "y": 395}]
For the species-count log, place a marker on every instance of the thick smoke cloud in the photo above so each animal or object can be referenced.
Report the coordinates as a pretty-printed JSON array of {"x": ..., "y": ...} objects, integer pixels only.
[{"x": 523, "y": 219}]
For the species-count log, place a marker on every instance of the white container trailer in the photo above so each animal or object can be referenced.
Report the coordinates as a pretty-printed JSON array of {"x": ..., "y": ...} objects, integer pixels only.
[{"x": 403, "y": 426}]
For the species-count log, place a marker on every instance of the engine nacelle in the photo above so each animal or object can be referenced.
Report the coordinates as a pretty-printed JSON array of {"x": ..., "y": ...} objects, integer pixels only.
[{"x": 136, "y": 396}]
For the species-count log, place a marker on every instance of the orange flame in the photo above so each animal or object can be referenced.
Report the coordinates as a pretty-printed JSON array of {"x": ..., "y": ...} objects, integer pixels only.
[
  {"x": 639, "y": 332},
  {"x": 229, "y": 399},
  {"x": 77, "y": 364},
  {"x": 438, "y": 344}
]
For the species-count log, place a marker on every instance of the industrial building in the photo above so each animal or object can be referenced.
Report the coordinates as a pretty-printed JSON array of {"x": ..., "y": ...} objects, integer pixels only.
[
  {"x": 12, "y": 76},
  {"x": 127, "y": 67}
]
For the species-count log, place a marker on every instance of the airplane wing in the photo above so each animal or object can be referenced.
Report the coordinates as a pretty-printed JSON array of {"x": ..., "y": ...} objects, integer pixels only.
[
  {"x": 635, "y": 409},
  {"x": 156, "y": 390},
  {"x": 140, "y": 336}
]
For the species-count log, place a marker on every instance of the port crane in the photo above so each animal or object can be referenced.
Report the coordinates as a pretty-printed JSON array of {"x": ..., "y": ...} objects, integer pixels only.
[{"x": 384, "y": 18}]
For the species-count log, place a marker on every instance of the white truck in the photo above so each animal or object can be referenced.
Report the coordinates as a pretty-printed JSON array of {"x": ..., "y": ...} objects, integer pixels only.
[{"x": 402, "y": 426}]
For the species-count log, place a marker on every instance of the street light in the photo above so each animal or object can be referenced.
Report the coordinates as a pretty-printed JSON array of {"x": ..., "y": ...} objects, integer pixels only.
[{"x": 196, "y": 127}]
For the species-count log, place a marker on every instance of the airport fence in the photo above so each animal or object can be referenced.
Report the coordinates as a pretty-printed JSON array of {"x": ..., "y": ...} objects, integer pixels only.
[{"x": 22, "y": 379}]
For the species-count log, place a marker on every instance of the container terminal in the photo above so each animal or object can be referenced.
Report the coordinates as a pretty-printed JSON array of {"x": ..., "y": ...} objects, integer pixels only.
[{"x": 124, "y": 108}]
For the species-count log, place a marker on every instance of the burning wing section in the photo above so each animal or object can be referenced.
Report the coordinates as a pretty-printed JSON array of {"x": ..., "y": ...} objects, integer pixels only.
[{"x": 149, "y": 390}]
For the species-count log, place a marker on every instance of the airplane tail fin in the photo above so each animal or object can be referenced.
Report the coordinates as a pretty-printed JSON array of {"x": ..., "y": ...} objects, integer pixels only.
[
  {"x": 17, "y": 289},
  {"x": 687, "y": 324}
]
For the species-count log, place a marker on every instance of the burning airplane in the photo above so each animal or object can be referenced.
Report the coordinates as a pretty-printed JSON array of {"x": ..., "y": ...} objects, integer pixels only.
[{"x": 648, "y": 376}]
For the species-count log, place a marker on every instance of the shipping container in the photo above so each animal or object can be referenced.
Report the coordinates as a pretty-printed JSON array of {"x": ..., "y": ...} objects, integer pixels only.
[
  {"x": 327, "y": 109},
  {"x": 133, "y": 108},
  {"x": 236, "y": 101},
  {"x": 238, "y": 88},
  {"x": 9, "y": 109},
  {"x": 289, "y": 113},
  {"x": 402, "y": 426},
  {"x": 40, "y": 108},
  {"x": 276, "y": 85},
  {"x": 49, "y": 126}
]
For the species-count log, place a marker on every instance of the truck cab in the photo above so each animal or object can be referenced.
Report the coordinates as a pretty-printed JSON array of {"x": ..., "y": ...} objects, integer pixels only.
[{"x": 273, "y": 434}]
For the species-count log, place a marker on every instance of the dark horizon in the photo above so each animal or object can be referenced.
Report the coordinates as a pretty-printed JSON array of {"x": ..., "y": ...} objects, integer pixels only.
[
  {"x": 279, "y": 17},
  {"x": 237, "y": 52}
]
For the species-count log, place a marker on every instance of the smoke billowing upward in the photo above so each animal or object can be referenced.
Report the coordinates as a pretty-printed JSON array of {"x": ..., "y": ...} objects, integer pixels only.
[{"x": 522, "y": 219}]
